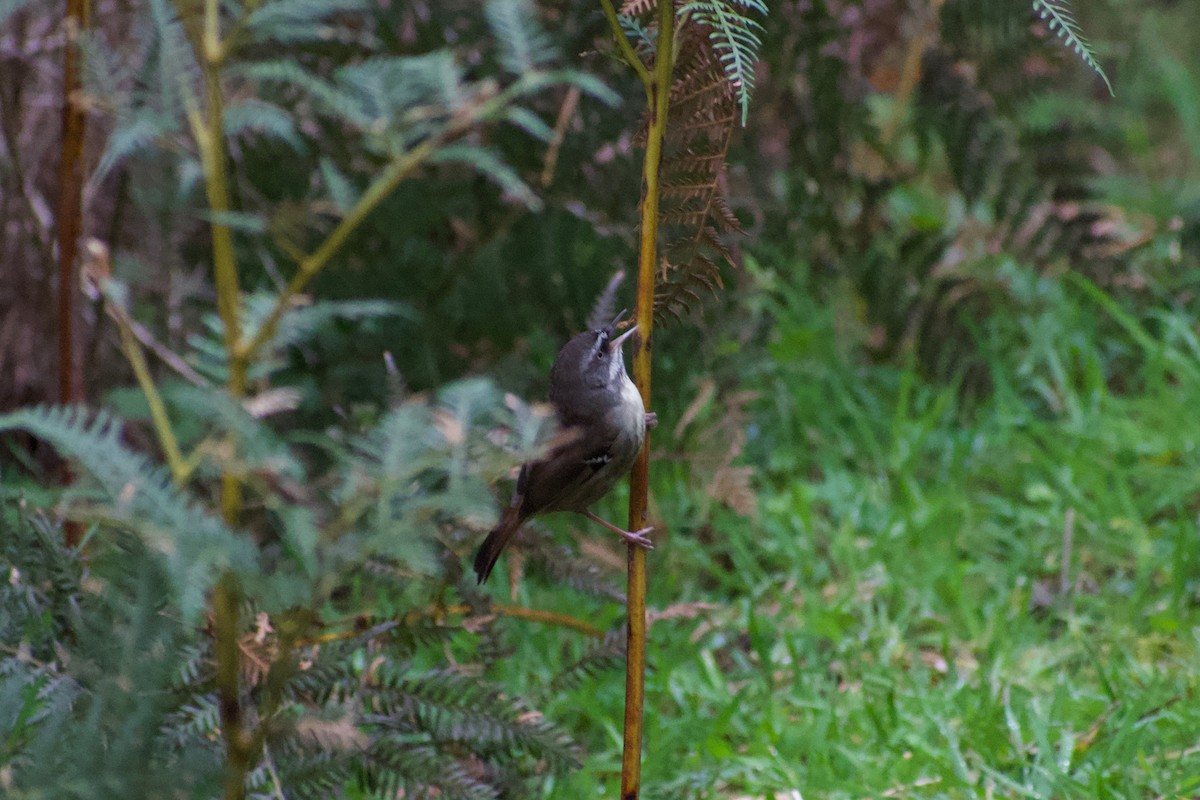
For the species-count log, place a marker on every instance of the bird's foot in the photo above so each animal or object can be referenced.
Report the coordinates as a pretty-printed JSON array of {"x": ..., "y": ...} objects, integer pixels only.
[
  {"x": 639, "y": 537},
  {"x": 651, "y": 419},
  {"x": 633, "y": 537}
]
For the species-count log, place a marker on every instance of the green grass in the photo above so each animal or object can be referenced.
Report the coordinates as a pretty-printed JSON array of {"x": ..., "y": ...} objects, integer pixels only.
[{"x": 992, "y": 597}]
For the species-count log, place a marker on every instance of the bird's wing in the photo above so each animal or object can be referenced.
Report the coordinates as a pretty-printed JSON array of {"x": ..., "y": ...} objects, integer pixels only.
[{"x": 558, "y": 481}]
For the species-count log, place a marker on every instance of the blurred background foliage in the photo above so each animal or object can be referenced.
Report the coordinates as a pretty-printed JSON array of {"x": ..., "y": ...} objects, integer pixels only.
[{"x": 926, "y": 479}]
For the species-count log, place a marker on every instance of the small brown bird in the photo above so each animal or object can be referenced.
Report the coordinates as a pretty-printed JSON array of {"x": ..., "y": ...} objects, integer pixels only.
[{"x": 602, "y": 427}]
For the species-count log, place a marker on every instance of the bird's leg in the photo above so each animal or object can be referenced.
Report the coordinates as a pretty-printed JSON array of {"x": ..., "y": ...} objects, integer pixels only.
[
  {"x": 651, "y": 420},
  {"x": 636, "y": 537}
]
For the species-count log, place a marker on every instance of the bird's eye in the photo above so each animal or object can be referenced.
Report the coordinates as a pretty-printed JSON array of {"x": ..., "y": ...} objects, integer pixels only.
[{"x": 601, "y": 343}]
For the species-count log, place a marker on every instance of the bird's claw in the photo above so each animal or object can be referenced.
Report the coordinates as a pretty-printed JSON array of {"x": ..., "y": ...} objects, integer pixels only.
[
  {"x": 651, "y": 419},
  {"x": 639, "y": 537}
]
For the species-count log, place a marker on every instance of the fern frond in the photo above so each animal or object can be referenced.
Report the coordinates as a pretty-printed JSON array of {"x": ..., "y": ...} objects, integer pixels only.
[
  {"x": 195, "y": 546},
  {"x": 1061, "y": 21},
  {"x": 258, "y": 445},
  {"x": 307, "y": 774},
  {"x": 387, "y": 87},
  {"x": 299, "y": 324},
  {"x": 491, "y": 166},
  {"x": 529, "y": 122},
  {"x": 735, "y": 40},
  {"x": 395, "y": 767},
  {"x": 453, "y": 707},
  {"x": 259, "y": 116},
  {"x": 607, "y": 654},
  {"x": 302, "y": 323},
  {"x": 694, "y": 214},
  {"x": 134, "y": 135},
  {"x": 568, "y": 568},
  {"x": 330, "y": 98},
  {"x": 642, "y": 36},
  {"x": 521, "y": 44},
  {"x": 196, "y": 720},
  {"x": 638, "y": 8},
  {"x": 342, "y": 191},
  {"x": 299, "y": 21}
]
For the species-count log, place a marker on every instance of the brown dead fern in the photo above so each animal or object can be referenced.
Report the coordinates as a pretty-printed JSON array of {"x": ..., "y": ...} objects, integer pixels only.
[{"x": 695, "y": 220}]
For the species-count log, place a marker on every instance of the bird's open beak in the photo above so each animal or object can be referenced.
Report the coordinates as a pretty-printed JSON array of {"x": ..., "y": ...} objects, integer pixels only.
[{"x": 617, "y": 342}]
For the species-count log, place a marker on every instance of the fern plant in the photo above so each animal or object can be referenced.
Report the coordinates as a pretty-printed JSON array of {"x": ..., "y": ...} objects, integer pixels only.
[
  {"x": 337, "y": 703},
  {"x": 712, "y": 80},
  {"x": 692, "y": 61},
  {"x": 293, "y": 590},
  {"x": 1061, "y": 21}
]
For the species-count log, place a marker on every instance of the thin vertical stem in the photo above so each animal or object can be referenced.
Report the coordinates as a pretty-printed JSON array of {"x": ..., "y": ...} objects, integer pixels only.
[
  {"x": 210, "y": 140},
  {"x": 70, "y": 202},
  {"x": 238, "y": 745},
  {"x": 658, "y": 97}
]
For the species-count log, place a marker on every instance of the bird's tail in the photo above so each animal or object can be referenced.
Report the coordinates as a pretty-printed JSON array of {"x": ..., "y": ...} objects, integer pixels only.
[{"x": 496, "y": 541}]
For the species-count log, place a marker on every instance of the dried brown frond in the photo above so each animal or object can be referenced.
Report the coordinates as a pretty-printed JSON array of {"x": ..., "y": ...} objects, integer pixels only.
[
  {"x": 695, "y": 219},
  {"x": 638, "y": 8},
  {"x": 715, "y": 425}
]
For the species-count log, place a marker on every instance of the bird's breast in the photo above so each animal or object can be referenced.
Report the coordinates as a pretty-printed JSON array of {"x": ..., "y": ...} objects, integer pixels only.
[{"x": 628, "y": 415}]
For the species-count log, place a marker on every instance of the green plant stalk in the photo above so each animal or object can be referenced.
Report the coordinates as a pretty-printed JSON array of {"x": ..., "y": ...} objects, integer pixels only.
[
  {"x": 392, "y": 176},
  {"x": 208, "y": 131},
  {"x": 158, "y": 411},
  {"x": 238, "y": 743},
  {"x": 658, "y": 99},
  {"x": 631, "y": 58},
  {"x": 210, "y": 141}
]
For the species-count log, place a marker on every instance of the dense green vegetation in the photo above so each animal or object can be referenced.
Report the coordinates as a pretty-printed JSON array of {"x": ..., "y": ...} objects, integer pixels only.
[
  {"x": 927, "y": 476},
  {"x": 950, "y": 603}
]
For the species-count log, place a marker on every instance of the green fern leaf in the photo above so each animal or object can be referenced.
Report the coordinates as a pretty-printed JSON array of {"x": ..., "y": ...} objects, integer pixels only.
[
  {"x": 195, "y": 546},
  {"x": 145, "y": 129},
  {"x": 342, "y": 192},
  {"x": 1061, "y": 21},
  {"x": 529, "y": 122},
  {"x": 258, "y": 446},
  {"x": 299, "y": 21},
  {"x": 259, "y": 116},
  {"x": 491, "y": 166},
  {"x": 450, "y": 706},
  {"x": 521, "y": 43},
  {"x": 735, "y": 40},
  {"x": 330, "y": 98},
  {"x": 388, "y": 86},
  {"x": 395, "y": 767}
]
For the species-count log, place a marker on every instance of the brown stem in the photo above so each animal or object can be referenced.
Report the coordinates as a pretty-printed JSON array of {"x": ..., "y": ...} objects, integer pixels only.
[
  {"x": 238, "y": 744},
  {"x": 500, "y": 609},
  {"x": 70, "y": 202},
  {"x": 658, "y": 97}
]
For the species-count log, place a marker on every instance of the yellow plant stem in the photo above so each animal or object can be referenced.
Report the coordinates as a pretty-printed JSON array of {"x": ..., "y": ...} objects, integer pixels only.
[
  {"x": 392, "y": 176},
  {"x": 631, "y": 58},
  {"x": 158, "y": 411},
  {"x": 658, "y": 99},
  {"x": 500, "y": 609},
  {"x": 208, "y": 131}
]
